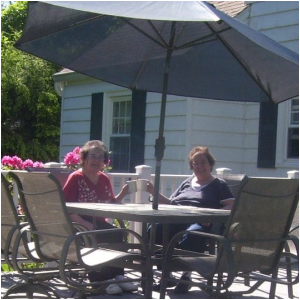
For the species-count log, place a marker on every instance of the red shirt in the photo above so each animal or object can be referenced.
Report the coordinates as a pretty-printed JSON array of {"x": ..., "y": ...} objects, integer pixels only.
[{"x": 79, "y": 188}]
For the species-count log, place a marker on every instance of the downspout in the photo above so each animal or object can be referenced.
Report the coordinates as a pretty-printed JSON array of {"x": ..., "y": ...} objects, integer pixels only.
[{"x": 59, "y": 87}]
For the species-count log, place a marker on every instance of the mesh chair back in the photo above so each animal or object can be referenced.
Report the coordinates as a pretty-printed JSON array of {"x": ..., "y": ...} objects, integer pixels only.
[
  {"x": 10, "y": 227},
  {"x": 233, "y": 181},
  {"x": 261, "y": 217},
  {"x": 9, "y": 214},
  {"x": 61, "y": 174},
  {"x": 43, "y": 202}
]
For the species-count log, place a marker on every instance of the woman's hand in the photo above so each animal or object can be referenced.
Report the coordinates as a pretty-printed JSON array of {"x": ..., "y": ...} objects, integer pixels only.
[
  {"x": 150, "y": 188},
  {"x": 125, "y": 189},
  {"x": 227, "y": 203}
]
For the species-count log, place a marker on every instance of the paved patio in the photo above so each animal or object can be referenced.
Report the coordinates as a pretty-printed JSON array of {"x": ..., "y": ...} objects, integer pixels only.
[{"x": 8, "y": 279}]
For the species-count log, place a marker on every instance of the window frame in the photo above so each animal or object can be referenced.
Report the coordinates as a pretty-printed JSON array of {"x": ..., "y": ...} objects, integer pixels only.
[
  {"x": 284, "y": 123},
  {"x": 290, "y": 125},
  {"x": 109, "y": 99}
]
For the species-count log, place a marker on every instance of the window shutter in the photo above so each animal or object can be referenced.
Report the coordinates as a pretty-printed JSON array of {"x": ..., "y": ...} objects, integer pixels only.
[
  {"x": 96, "y": 116},
  {"x": 137, "y": 135},
  {"x": 267, "y": 135}
]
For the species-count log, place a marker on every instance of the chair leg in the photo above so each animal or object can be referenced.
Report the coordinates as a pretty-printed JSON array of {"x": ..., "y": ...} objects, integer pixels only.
[
  {"x": 289, "y": 276},
  {"x": 30, "y": 290},
  {"x": 272, "y": 290},
  {"x": 273, "y": 284}
]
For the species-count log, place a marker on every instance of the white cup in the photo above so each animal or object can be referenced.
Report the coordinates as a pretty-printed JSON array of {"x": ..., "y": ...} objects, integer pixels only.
[
  {"x": 142, "y": 184},
  {"x": 131, "y": 186}
]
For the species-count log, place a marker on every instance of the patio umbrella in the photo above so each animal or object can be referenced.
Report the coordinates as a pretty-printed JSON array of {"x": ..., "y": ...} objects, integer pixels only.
[{"x": 184, "y": 48}]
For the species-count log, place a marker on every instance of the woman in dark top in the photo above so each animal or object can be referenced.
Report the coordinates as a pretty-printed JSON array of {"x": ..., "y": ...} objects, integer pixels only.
[{"x": 202, "y": 189}]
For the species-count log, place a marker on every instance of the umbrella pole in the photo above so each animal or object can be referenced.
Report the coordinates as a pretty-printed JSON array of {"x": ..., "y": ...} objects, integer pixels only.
[{"x": 160, "y": 141}]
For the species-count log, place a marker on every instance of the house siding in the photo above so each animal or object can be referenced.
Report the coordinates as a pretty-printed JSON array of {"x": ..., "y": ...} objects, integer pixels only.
[{"x": 229, "y": 129}]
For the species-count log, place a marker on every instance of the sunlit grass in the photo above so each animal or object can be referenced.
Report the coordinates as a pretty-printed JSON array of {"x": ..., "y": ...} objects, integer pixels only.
[{"x": 7, "y": 268}]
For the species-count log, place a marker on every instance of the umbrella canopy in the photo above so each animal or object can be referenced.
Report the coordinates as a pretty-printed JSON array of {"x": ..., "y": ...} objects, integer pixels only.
[{"x": 186, "y": 48}]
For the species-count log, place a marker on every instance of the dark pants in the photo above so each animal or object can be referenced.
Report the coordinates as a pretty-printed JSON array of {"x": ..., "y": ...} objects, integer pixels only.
[
  {"x": 108, "y": 272},
  {"x": 188, "y": 241}
]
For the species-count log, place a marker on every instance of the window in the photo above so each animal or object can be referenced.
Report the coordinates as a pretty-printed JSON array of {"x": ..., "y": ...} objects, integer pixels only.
[
  {"x": 123, "y": 125},
  {"x": 120, "y": 133},
  {"x": 293, "y": 130}
]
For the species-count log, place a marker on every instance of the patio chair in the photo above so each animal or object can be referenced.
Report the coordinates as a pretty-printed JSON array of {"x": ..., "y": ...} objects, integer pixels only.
[
  {"x": 289, "y": 257},
  {"x": 56, "y": 237},
  {"x": 252, "y": 243},
  {"x": 17, "y": 251},
  {"x": 61, "y": 174},
  {"x": 233, "y": 181}
]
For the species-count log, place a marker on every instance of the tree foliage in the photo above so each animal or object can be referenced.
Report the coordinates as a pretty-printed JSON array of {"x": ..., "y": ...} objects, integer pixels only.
[{"x": 30, "y": 107}]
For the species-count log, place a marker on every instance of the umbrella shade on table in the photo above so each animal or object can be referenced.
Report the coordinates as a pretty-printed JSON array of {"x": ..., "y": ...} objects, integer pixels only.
[{"x": 186, "y": 48}]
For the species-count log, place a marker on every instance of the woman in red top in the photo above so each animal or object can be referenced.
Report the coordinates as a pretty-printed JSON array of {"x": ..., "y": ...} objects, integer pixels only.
[{"x": 89, "y": 184}]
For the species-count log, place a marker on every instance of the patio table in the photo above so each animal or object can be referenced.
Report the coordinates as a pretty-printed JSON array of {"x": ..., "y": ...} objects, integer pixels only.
[{"x": 166, "y": 214}]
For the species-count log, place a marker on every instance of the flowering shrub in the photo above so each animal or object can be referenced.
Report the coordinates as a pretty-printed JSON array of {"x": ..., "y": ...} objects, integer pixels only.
[
  {"x": 72, "y": 158},
  {"x": 16, "y": 163}
]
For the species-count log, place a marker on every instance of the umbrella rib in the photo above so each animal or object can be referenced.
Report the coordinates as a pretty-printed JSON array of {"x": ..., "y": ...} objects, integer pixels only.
[
  {"x": 146, "y": 59},
  {"x": 163, "y": 45},
  {"x": 180, "y": 33},
  {"x": 204, "y": 39},
  {"x": 158, "y": 33},
  {"x": 242, "y": 62}
]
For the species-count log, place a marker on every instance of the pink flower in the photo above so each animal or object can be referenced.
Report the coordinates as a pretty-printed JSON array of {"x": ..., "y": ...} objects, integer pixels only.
[
  {"x": 106, "y": 166},
  {"x": 77, "y": 150},
  {"x": 16, "y": 162},
  {"x": 72, "y": 158},
  {"x": 27, "y": 163},
  {"x": 12, "y": 162},
  {"x": 38, "y": 164},
  {"x": 5, "y": 161}
]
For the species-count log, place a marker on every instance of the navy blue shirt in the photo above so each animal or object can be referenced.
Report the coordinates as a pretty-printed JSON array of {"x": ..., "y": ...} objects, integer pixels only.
[{"x": 208, "y": 197}]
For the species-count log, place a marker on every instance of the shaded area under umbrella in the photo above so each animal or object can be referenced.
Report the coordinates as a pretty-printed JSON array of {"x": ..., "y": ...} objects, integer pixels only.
[{"x": 186, "y": 48}]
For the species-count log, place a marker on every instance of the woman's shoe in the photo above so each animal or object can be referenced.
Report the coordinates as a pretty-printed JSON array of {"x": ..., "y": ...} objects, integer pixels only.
[
  {"x": 183, "y": 288},
  {"x": 113, "y": 289},
  {"x": 128, "y": 286},
  {"x": 156, "y": 286}
]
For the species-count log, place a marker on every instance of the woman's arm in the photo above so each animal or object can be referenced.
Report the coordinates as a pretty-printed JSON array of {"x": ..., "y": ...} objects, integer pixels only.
[
  {"x": 161, "y": 198},
  {"x": 124, "y": 191},
  {"x": 227, "y": 203},
  {"x": 76, "y": 218}
]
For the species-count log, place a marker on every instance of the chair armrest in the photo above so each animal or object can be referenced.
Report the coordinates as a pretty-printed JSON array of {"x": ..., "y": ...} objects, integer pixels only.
[
  {"x": 9, "y": 244},
  {"x": 31, "y": 255},
  {"x": 287, "y": 254},
  {"x": 107, "y": 231},
  {"x": 89, "y": 241},
  {"x": 294, "y": 228},
  {"x": 225, "y": 247}
]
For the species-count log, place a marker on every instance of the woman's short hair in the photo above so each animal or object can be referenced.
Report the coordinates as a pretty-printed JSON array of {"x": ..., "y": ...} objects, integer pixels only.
[
  {"x": 204, "y": 150},
  {"x": 93, "y": 144}
]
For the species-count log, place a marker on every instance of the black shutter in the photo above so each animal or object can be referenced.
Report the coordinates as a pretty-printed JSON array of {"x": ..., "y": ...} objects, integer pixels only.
[
  {"x": 96, "y": 116},
  {"x": 267, "y": 135},
  {"x": 137, "y": 136}
]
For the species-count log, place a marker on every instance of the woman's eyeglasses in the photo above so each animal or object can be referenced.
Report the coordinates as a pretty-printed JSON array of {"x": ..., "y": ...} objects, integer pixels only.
[{"x": 95, "y": 157}]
